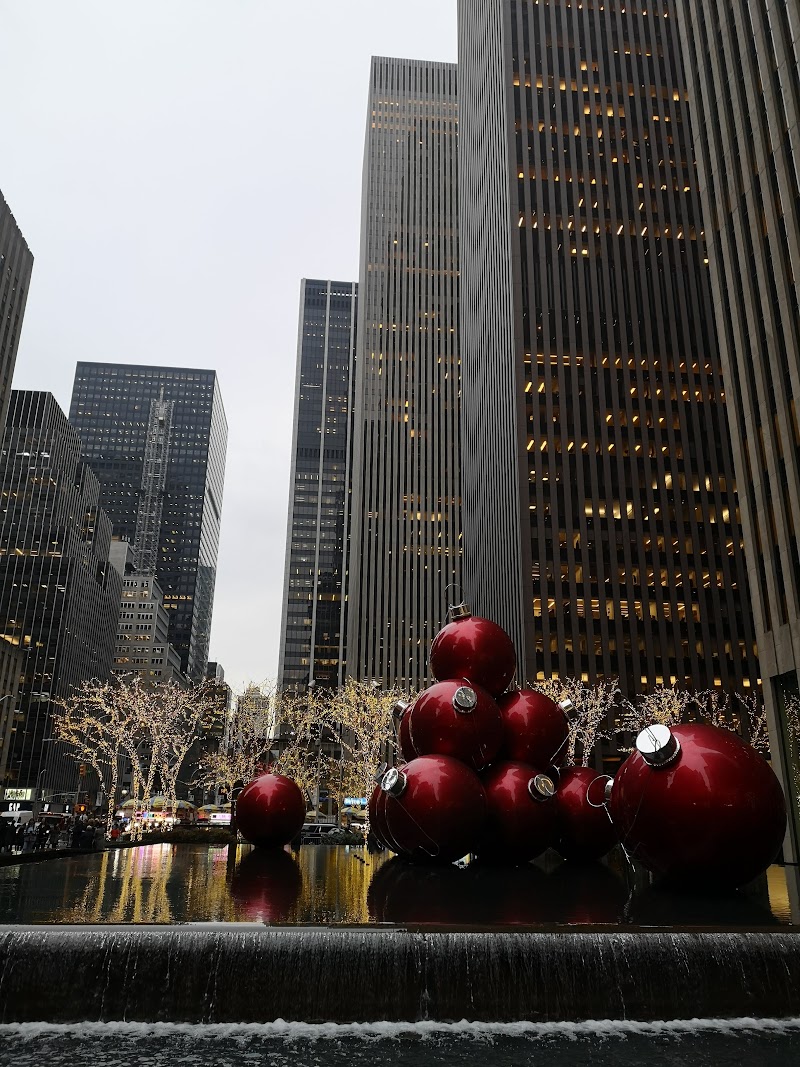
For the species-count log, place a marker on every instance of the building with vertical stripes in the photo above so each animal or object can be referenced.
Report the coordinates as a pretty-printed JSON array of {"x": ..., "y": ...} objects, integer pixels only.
[
  {"x": 601, "y": 519},
  {"x": 313, "y": 620},
  {"x": 405, "y": 534},
  {"x": 59, "y": 595},
  {"x": 747, "y": 139},
  {"x": 156, "y": 437},
  {"x": 16, "y": 265}
]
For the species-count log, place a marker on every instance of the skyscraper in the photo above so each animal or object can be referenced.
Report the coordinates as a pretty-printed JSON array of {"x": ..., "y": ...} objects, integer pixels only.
[
  {"x": 601, "y": 521},
  {"x": 59, "y": 595},
  {"x": 405, "y": 539},
  {"x": 313, "y": 621},
  {"x": 153, "y": 480},
  {"x": 16, "y": 265},
  {"x": 747, "y": 139}
]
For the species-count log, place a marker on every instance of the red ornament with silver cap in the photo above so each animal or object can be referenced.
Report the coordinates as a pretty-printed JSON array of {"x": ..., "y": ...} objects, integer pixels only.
[
  {"x": 521, "y": 820},
  {"x": 435, "y": 809},
  {"x": 453, "y": 718},
  {"x": 270, "y": 811},
  {"x": 474, "y": 648},
  {"x": 535, "y": 728},
  {"x": 694, "y": 803},
  {"x": 585, "y": 831}
]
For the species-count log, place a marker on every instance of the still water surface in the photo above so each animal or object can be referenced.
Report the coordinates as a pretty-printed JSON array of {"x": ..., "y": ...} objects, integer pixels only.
[
  {"x": 762, "y": 1043},
  {"x": 339, "y": 885}
]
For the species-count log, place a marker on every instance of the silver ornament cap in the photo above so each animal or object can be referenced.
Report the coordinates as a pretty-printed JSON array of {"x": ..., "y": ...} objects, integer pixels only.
[
  {"x": 657, "y": 745},
  {"x": 394, "y": 782},
  {"x": 465, "y": 700},
  {"x": 569, "y": 709},
  {"x": 400, "y": 708}
]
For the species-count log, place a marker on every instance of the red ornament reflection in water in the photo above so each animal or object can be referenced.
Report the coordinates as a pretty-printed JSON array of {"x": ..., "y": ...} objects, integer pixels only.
[{"x": 266, "y": 885}]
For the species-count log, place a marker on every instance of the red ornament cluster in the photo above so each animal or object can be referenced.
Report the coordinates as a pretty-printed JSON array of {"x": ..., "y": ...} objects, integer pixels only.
[
  {"x": 483, "y": 774},
  {"x": 481, "y": 763}
]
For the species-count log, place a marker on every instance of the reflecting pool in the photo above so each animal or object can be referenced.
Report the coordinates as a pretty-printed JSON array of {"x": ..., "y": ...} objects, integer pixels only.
[{"x": 336, "y": 884}]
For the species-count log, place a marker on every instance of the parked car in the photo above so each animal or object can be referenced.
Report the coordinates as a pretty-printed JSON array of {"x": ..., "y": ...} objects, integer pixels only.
[{"x": 312, "y": 832}]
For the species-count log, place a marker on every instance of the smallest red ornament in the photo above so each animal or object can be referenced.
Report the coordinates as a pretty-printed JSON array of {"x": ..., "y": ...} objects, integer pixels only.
[
  {"x": 270, "y": 811},
  {"x": 585, "y": 831},
  {"x": 474, "y": 648}
]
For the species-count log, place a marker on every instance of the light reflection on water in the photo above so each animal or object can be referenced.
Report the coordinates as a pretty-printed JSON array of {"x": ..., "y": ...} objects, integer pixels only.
[
  {"x": 191, "y": 883},
  {"x": 336, "y": 884}
]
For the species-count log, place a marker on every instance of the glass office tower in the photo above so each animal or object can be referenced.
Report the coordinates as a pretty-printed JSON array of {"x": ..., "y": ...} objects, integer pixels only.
[
  {"x": 601, "y": 517},
  {"x": 313, "y": 621},
  {"x": 405, "y": 539},
  {"x": 59, "y": 595},
  {"x": 111, "y": 409}
]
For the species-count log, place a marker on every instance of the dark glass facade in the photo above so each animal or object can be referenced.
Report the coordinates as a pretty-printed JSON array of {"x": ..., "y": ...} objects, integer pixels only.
[
  {"x": 111, "y": 408},
  {"x": 601, "y": 519},
  {"x": 59, "y": 595},
  {"x": 405, "y": 534},
  {"x": 744, "y": 78},
  {"x": 313, "y": 622},
  {"x": 16, "y": 265}
]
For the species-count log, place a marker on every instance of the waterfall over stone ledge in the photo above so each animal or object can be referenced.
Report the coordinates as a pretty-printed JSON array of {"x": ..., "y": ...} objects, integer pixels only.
[{"x": 223, "y": 973}]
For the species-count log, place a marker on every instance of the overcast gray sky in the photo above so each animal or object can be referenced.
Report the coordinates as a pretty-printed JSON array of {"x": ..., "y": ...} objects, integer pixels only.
[{"x": 177, "y": 166}]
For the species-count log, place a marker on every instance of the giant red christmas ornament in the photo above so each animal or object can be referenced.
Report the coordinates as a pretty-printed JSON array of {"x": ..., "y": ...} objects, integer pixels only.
[
  {"x": 536, "y": 729},
  {"x": 584, "y": 831},
  {"x": 521, "y": 819},
  {"x": 270, "y": 811},
  {"x": 454, "y": 718},
  {"x": 473, "y": 648},
  {"x": 435, "y": 809},
  {"x": 695, "y": 804}
]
